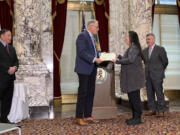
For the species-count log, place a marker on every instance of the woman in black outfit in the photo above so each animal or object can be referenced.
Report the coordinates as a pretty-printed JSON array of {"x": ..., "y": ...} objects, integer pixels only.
[{"x": 132, "y": 77}]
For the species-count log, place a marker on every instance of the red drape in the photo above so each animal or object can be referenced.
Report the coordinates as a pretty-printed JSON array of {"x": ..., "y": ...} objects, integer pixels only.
[
  {"x": 101, "y": 8},
  {"x": 178, "y": 5},
  {"x": 59, "y": 9},
  {"x": 7, "y": 14},
  {"x": 153, "y": 6}
]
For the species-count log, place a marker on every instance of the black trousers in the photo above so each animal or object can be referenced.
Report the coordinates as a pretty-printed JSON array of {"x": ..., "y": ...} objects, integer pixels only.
[
  {"x": 6, "y": 94},
  {"x": 155, "y": 87},
  {"x": 85, "y": 94},
  {"x": 135, "y": 102}
]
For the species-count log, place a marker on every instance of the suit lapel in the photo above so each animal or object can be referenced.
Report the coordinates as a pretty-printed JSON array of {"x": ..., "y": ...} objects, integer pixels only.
[
  {"x": 90, "y": 41},
  {"x": 147, "y": 54},
  {"x": 4, "y": 49},
  {"x": 153, "y": 51}
]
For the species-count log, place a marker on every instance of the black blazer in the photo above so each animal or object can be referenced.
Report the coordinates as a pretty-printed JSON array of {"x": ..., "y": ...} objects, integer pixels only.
[
  {"x": 7, "y": 60},
  {"x": 155, "y": 65}
]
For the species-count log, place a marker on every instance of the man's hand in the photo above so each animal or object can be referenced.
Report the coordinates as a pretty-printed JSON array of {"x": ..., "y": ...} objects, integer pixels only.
[
  {"x": 11, "y": 70},
  {"x": 114, "y": 60},
  {"x": 97, "y": 60}
]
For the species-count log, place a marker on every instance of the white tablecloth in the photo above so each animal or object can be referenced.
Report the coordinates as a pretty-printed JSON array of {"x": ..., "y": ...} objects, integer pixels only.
[{"x": 19, "y": 108}]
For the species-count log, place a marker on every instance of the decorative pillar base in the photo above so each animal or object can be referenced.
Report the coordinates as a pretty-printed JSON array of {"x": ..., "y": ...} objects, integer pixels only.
[{"x": 34, "y": 74}]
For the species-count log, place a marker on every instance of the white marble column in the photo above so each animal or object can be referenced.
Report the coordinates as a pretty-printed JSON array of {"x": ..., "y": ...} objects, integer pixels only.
[
  {"x": 33, "y": 43},
  {"x": 128, "y": 15},
  {"x": 119, "y": 25}
]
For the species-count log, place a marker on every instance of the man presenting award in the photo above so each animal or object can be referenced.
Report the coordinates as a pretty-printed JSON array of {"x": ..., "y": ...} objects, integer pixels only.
[{"x": 87, "y": 59}]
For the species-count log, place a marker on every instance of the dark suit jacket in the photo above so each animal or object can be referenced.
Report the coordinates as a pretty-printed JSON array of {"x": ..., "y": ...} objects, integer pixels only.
[
  {"x": 132, "y": 72},
  {"x": 85, "y": 54},
  {"x": 155, "y": 65},
  {"x": 6, "y": 61}
]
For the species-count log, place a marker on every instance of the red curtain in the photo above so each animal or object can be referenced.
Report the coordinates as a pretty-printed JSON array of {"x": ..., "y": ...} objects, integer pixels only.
[
  {"x": 178, "y": 5},
  {"x": 7, "y": 14},
  {"x": 153, "y": 6},
  {"x": 59, "y": 9},
  {"x": 101, "y": 8}
]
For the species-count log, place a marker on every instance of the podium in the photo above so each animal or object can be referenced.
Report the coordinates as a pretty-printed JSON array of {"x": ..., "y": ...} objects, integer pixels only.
[{"x": 104, "y": 106}]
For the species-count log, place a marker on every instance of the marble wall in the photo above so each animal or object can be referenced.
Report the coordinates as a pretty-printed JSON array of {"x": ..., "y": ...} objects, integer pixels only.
[
  {"x": 128, "y": 15},
  {"x": 33, "y": 43}
]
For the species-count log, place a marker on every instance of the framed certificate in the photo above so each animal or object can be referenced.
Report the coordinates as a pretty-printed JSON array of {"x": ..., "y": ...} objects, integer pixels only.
[{"x": 108, "y": 56}]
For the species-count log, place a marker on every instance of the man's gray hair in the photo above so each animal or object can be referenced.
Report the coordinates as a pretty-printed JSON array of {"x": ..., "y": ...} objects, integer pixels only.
[
  {"x": 150, "y": 34},
  {"x": 91, "y": 22}
]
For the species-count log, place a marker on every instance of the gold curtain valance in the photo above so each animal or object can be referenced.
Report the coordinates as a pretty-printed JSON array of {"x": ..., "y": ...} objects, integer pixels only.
[
  {"x": 99, "y": 2},
  {"x": 61, "y": 1}
]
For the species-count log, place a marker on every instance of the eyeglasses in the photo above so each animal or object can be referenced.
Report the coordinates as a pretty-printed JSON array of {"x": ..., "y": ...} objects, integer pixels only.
[{"x": 97, "y": 27}]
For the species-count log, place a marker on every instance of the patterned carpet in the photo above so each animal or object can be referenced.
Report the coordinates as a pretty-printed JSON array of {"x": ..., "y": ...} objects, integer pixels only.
[{"x": 169, "y": 125}]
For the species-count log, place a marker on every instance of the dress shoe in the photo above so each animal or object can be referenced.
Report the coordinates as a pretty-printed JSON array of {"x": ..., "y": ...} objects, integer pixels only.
[
  {"x": 80, "y": 122},
  {"x": 128, "y": 120},
  {"x": 90, "y": 120},
  {"x": 135, "y": 121},
  {"x": 150, "y": 113},
  {"x": 160, "y": 114}
]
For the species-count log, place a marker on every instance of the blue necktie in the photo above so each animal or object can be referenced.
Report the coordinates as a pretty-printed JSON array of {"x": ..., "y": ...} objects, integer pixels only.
[{"x": 94, "y": 45}]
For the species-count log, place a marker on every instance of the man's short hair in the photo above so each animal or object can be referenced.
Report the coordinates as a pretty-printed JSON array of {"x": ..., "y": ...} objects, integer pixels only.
[
  {"x": 3, "y": 31},
  {"x": 150, "y": 34},
  {"x": 91, "y": 22}
]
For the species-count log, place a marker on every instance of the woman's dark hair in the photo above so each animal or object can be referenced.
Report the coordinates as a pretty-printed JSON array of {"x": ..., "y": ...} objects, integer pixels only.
[{"x": 134, "y": 40}]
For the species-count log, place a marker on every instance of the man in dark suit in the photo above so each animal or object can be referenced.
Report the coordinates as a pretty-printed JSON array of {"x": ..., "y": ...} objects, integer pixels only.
[
  {"x": 156, "y": 61},
  {"x": 85, "y": 67},
  {"x": 8, "y": 67}
]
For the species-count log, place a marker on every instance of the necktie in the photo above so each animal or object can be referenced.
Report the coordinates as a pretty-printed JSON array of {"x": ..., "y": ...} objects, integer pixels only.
[
  {"x": 7, "y": 49},
  {"x": 92, "y": 38},
  {"x": 150, "y": 51}
]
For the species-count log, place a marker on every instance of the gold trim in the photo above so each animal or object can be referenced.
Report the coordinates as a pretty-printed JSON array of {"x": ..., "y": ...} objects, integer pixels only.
[
  {"x": 99, "y": 2},
  {"x": 69, "y": 98},
  {"x": 76, "y": 6},
  {"x": 178, "y": 1},
  {"x": 153, "y": 2},
  {"x": 172, "y": 94},
  {"x": 107, "y": 16},
  {"x": 61, "y": 1},
  {"x": 166, "y": 9},
  {"x": 53, "y": 17},
  {"x": 57, "y": 101},
  {"x": 8, "y": 2},
  {"x": 56, "y": 56}
]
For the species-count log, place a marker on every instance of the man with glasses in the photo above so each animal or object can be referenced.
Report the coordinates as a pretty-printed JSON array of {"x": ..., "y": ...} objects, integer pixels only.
[{"x": 87, "y": 59}]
